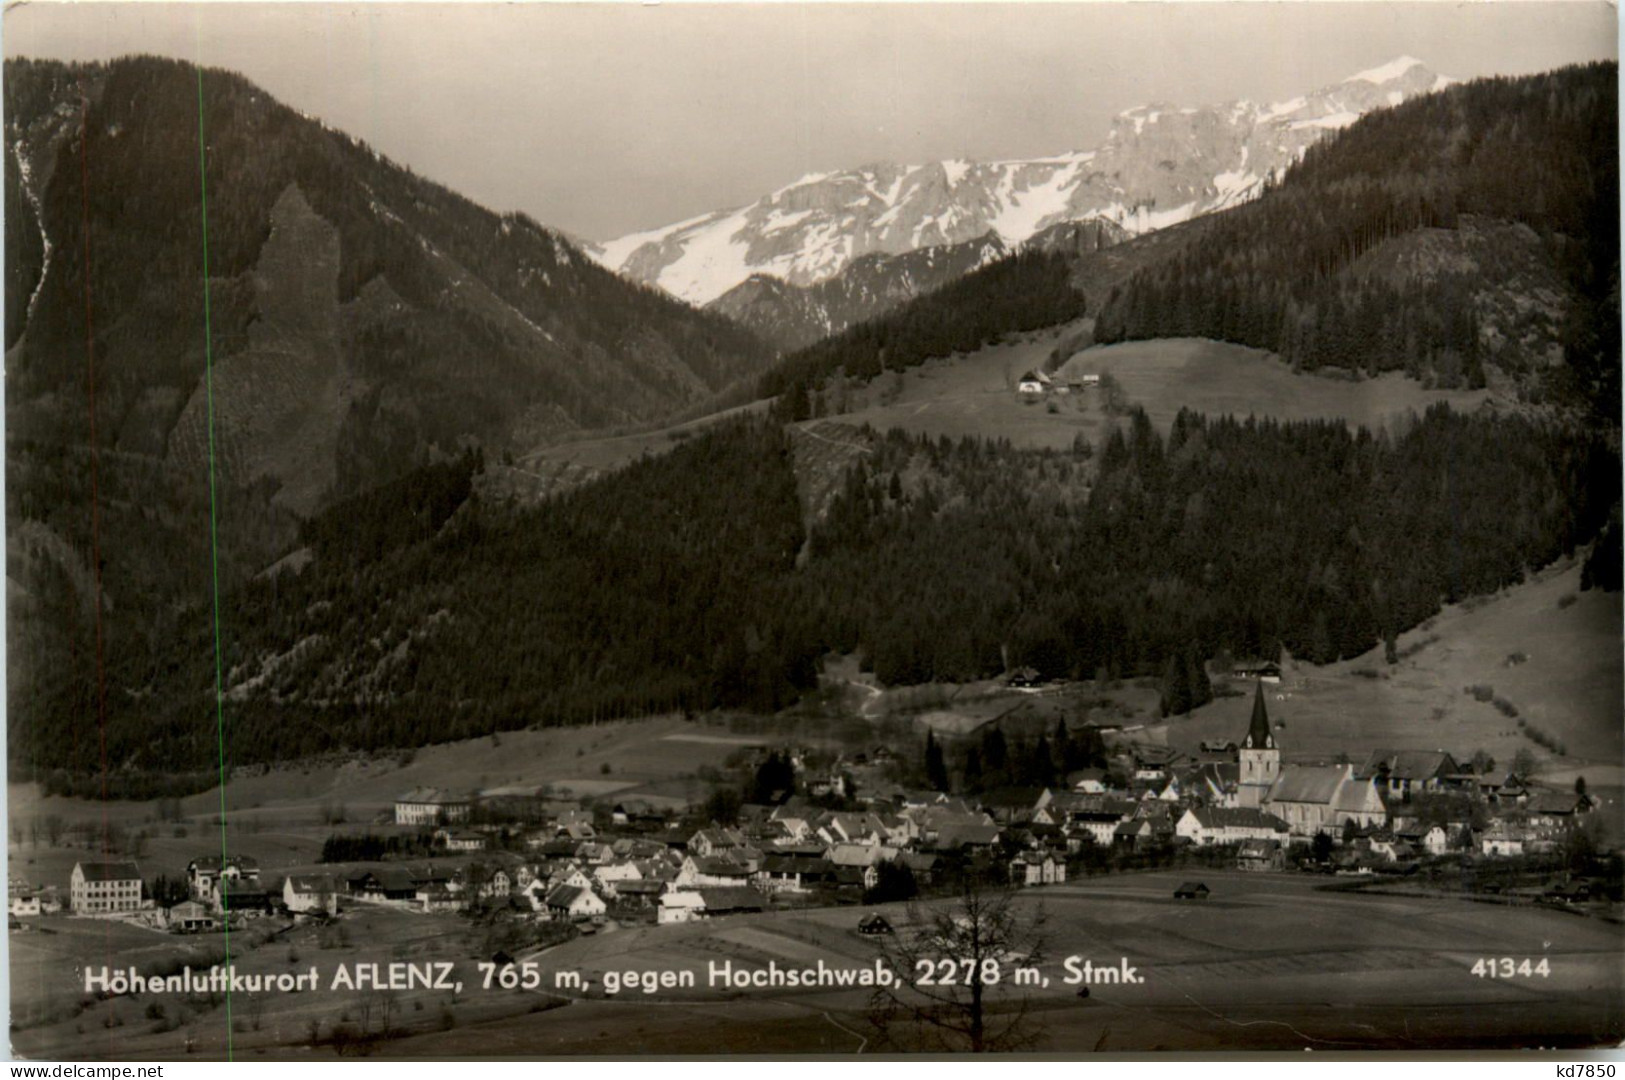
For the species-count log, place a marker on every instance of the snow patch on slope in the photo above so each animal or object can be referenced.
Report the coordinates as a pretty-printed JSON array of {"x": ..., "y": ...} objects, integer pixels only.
[{"x": 1393, "y": 69}]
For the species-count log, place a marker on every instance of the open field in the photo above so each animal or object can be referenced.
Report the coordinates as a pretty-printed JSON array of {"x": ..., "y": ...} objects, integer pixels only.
[
  {"x": 1546, "y": 648},
  {"x": 1269, "y": 962},
  {"x": 1569, "y": 683},
  {"x": 1218, "y": 379},
  {"x": 642, "y": 756},
  {"x": 974, "y": 395},
  {"x": 50, "y": 1022}
]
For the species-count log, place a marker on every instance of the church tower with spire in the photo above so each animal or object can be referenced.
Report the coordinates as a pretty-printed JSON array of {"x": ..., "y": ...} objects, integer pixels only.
[{"x": 1259, "y": 757}]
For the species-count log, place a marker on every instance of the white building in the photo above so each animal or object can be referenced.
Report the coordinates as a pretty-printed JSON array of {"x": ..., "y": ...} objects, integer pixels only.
[
  {"x": 100, "y": 888},
  {"x": 568, "y": 902},
  {"x": 1208, "y": 825},
  {"x": 430, "y": 806},
  {"x": 207, "y": 875},
  {"x": 1037, "y": 868},
  {"x": 310, "y": 893}
]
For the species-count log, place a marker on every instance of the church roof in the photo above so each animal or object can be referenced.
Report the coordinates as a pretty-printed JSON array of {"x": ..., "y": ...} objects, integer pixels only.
[
  {"x": 1258, "y": 732},
  {"x": 1309, "y": 784}
]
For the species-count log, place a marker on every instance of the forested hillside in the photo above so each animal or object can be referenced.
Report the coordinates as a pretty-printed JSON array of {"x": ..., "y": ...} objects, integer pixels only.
[
  {"x": 363, "y": 322},
  {"x": 1300, "y": 271},
  {"x": 1025, "y": 291},
  {"x": 1245, "y": 536},
  {"x": 434, "y": 320},
  {"x": 427, "y": 615}
]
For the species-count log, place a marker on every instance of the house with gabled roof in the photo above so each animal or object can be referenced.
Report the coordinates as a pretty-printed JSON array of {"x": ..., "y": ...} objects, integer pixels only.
[
  {"x": 1504, "y": 840},
  {"x": 792, "y": 873},
  {"x": 1088, "y": 781},
  {"x": 1217, "y": 783},
  {"x": 680, "y": 905},
  {"x": 716, "y": 871},
  {"x": 1137, "y": 833},
  {"x": 569, "y": 902},
  {"x": 438, "y": 898},
  {"x": 715, "y": 841},
  {"x": 1400, "y": 774},
  {"x": 966, "y": 835},
  {"x": 460, "y": 839},
  {"x": 24, "y": 904},
  {"x": 1260, "y": 855},
  {"x": 1037, "y": 868},
  {"x": 190, "y": 917},
  {"x": 310, "y": 894},
  {"x": 1012, "y": 804},
  {"x": 1556, "y": 809}
]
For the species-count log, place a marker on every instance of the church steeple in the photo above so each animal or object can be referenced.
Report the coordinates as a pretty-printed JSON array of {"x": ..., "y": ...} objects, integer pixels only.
[{"x": 1258, "y": 732}]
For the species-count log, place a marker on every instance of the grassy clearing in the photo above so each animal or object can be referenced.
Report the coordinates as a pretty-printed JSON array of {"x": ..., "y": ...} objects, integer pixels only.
[
  {"x": 974, "y": 395},
  {"x": 1399, "y": 967},
  {"x": 1567, "y": 679},
  {"x": 1217, "y": 378}
]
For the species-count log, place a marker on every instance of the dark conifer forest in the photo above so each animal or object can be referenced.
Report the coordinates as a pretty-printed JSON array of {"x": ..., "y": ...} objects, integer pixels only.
[
  {"x": 673, "y": 585},
  {"x": 1286, "y": 272}
]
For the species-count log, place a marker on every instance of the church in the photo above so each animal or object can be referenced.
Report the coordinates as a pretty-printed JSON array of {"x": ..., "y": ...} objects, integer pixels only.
[
  {"x": 1309, "y": 798},
  {"x": 1259, "y": 759}
]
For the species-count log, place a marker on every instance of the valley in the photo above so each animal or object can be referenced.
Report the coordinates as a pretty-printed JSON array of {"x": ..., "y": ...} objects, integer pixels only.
[{"x": 1205, "y": 547}]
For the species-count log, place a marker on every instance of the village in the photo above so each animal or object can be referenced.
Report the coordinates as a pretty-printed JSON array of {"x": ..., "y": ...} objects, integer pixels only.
[{"x": 848, "y": 836}]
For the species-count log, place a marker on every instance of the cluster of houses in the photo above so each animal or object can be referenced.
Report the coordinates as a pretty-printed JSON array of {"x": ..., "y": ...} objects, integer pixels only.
[
  {"x": 1372, "y": 812},
  {"x": 1240, "y": 797},
  {"x": 791, "y": 853}
]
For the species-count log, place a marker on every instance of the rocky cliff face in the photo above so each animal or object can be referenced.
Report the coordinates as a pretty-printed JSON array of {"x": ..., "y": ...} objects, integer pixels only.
[{"x": 1160, "y": 164}]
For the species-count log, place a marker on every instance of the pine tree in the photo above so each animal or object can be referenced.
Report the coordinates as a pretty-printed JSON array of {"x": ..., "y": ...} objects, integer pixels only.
[
  {"x": 973, "y": 769},
  {"x": 1176, "y": 692},
  {"x": 936, "y": 770},
  {"x": 1201, "y": 688},
  {"x": 995, "y": 754}
]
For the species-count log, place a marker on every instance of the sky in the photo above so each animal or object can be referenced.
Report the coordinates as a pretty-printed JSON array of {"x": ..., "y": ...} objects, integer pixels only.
[{"x": 602, "y": 119}]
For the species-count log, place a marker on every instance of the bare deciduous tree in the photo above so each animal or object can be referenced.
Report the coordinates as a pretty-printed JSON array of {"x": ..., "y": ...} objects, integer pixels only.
[{"x": 956, "y": 965}]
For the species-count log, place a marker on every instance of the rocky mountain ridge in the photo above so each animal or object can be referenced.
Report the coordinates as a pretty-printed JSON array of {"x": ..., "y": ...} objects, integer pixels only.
[{"x": 1161, "y": 164}]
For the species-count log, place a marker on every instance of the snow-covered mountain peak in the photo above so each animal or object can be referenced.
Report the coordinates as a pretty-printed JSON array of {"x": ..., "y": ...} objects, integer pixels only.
[{"x": 1159, "y": 165}]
